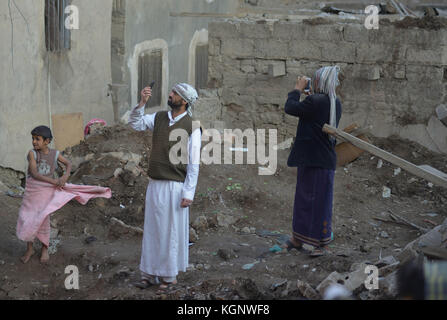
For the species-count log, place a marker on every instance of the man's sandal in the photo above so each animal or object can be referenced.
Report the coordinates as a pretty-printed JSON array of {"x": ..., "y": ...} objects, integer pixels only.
[
  {"x": 143, "y": 284},
  {"x": 166, "y": 285}
]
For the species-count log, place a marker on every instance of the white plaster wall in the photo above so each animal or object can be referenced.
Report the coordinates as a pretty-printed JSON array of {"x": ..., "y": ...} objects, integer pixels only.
[{"x": 41, "y": 84}]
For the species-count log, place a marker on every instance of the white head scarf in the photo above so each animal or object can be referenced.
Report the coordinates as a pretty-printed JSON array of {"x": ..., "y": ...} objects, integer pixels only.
[
  {"x": 188, "y": 93},
  {"x": 325, "y": 81}
]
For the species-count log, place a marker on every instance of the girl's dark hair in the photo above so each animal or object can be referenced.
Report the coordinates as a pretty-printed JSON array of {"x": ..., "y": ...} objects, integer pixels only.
[
  {"x": 411, "y": 280},
  {"x": 42, "y": 131}
]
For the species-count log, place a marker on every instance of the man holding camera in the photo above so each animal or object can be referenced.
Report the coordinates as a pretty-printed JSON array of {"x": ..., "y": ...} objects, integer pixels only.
[
  {"x": 313, "y": 153},
  {"x": 171, "y": 188}
]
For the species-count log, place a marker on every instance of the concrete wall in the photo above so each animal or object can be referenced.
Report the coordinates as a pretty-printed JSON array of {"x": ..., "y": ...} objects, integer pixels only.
[
  {"x": 41, "y": 83},
  {"x": 148, "y": 24},
  {"x": 394, "y": 77}
]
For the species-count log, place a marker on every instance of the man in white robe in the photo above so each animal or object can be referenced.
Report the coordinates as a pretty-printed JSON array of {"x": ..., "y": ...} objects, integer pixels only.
[{"x": 166, "y": 223}]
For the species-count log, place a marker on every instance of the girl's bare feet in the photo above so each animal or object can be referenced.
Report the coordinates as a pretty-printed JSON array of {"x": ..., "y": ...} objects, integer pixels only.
[
  {"x": 29, "y": 252},
  {"x": 44, "y": 257},
  {"x": 27, "y": 256}
]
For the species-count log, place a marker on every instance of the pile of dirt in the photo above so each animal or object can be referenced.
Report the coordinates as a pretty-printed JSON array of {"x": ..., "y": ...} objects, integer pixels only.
[{"x": 427, "y": 22}]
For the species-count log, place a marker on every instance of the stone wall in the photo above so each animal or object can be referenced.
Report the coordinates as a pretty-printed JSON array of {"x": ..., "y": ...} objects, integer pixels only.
[{"x": 394, "y": 77}]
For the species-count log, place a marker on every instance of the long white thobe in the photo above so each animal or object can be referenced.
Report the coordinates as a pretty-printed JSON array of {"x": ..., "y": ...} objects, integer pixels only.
[{"x": 166, "y": 225}]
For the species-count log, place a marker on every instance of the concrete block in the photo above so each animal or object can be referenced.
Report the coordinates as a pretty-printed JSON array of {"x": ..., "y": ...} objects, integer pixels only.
[
  {"x": 256, "y": 30},
  {"x": 277, "y": 69},
  {"x": 399, "y": 72},
  {"x": 339, "y": 52},
  {"x": 441, "y": 112},
  {"x": 419, "y": 134},
  {"x": 356, "y": 33},
  {"x": 326, "y": 32},
  {"x": 271, "y": 49},
  {"x": 438, "y": 132},
  {"x": 223, "y": 30},
  {"x": 434, "y": 57},
  {"x": 374, "y": 73},
  {"x": 289, "y": 31},
  {"x": 380, "y": 53},
  {"x": 213, "y": 46},
  {"x": 384, "y": 35},
  {"x": 237, "y": 47},
  {"x": 310, "y": 50}
]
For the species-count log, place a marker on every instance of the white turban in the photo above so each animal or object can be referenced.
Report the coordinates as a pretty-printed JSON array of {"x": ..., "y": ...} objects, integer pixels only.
[{"x": 188, "y": 93}]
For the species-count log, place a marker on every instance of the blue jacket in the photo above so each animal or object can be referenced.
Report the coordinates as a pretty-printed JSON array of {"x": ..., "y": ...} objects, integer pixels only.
[{"x": 312, "y": 147}]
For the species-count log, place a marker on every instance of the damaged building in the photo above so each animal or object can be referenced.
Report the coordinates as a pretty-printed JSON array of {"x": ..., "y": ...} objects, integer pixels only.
[{"x": 243, "y": 56}]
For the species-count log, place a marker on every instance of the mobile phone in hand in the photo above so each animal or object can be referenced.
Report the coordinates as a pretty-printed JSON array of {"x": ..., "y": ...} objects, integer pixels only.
[{"x": 307, "y": 89}]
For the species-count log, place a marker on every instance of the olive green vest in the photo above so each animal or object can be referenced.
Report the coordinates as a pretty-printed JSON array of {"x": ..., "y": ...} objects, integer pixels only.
[{"x": 160, "y": 167}]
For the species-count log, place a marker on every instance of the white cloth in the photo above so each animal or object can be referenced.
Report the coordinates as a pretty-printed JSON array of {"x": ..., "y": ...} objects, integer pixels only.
[{"x": 165, "y": 244}]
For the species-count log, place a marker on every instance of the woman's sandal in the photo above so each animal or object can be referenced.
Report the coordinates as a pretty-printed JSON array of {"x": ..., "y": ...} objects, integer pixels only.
[
  {"x": 291, "y": 246},
  {"x": 319, "y": 252}
]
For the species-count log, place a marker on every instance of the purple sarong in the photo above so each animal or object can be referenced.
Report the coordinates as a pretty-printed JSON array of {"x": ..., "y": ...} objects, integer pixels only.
[{"x": 312, "y": 210}]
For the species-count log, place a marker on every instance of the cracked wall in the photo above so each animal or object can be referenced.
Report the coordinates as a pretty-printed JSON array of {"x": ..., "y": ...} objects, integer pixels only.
[{"x": 394, "y": 77}]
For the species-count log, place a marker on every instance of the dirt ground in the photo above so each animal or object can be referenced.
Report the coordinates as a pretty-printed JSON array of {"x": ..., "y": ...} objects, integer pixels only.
[{"x": 238, "y": 217}]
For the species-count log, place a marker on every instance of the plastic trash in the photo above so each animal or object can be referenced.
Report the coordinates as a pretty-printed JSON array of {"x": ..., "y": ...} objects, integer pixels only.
[
  {"x": 248, "y": 266},
  {"x": 275, "y": 248}
]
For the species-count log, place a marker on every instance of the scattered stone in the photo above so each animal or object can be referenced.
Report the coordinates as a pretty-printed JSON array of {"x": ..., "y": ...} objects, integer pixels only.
[
  {"x": 226, "y": 254},
  {"x": 379, "y": 163},
  {"x": 118, "y": 172},
  {"x": 384, "y": 234},
  {"x": 365, "y": 248},
  {"x": 200, "y": 224},
  {"x": 123, "y": 273},
  {"x": 352, "y": 281},
  {"x": 90, "y": 239},
  {"x": 388, "y": 285},
  {"x": 386, "y": 192},
  {"x": 118, "y": 229},
  {"x": 245, "y": 230},
  {"x": 225, "y": 220},
  {"x": 307, "y": 291},
  {"x": 132, "y": 167},
  {"x": 193, "y": 237}
]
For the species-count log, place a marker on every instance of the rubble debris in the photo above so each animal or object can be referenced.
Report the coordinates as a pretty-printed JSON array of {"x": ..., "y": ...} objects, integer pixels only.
[
  {"x": 90, "y": 239},
  {"x": 386, "y": 192},
  {"x": 307, "y": 290},
  {"x": 441, "y": 112},
  {"x": 351, "y": 281},
  {"x": 200, "y": 223},
  {"x": 193, "y": 236},
  {"x": 337, "y": 292},
  {"x": 118, "y": 228}
]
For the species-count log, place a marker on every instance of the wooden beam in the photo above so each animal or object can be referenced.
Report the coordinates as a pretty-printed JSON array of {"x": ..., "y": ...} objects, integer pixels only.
[{"x": 432, "y": 175}]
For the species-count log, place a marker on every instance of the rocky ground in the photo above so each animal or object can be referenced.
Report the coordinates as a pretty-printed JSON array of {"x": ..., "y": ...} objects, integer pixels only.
[{"x": 238, "y": 220}]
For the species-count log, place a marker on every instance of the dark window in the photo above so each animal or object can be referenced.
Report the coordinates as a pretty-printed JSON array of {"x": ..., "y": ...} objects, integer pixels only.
[
  {"x": 57, "y": 37},
  {"x": 201, "y": 66},
  {"x": 149, "y": 70}
]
